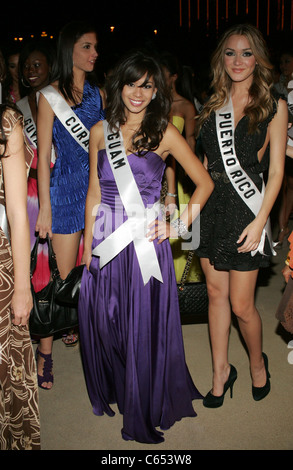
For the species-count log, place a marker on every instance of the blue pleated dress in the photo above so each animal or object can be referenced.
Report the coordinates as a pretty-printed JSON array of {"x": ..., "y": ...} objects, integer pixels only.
[{"x": 70, "y": 176}]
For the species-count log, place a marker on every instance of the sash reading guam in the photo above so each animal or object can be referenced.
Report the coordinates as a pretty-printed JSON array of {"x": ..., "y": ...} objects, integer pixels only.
[{"x": 115, "y": 153}]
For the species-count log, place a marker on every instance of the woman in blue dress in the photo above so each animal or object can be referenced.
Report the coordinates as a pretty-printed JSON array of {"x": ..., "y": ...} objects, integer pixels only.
[
  {"x": 129, "y": 321},
  {"x": 62, "y": 193}
]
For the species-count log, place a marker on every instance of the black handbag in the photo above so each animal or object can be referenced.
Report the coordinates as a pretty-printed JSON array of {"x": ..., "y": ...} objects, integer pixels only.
[
  {"x": 68, "y": 289},
  {"x": 193, "y": 297},
  {"x": 49, "y": 316}
]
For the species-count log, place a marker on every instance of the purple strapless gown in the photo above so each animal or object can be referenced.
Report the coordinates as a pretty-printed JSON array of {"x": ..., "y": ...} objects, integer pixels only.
[{"x": 130, "y": 333}]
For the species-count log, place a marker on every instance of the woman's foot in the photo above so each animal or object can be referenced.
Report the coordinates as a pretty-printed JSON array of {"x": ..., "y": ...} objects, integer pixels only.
[
  {"x": 44, "y": 370},
  {"x": 261, "y": 385},
  {"x": 71, "y": 339},
  {"x": 219, "y": 381},
  {"x": 215, "y": 401}
]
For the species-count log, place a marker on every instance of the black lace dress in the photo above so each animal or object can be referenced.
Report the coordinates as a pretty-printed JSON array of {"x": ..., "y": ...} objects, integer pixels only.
[{"x": 225, "y": 215}]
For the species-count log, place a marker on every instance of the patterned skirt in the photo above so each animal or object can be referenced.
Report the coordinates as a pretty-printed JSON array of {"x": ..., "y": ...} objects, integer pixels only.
[{"x": 19, "y": 411}]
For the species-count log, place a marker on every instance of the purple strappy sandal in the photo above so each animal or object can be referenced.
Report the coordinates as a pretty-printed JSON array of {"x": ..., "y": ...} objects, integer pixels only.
[{"x": 47, "y": 369}]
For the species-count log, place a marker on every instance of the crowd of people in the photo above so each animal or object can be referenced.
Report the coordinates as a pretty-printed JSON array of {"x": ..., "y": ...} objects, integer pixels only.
[{"x": 112, "y": 198}]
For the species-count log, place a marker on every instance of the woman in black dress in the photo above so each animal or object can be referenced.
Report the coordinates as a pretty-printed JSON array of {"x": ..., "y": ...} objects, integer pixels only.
[{"x": 243, "y": 133}]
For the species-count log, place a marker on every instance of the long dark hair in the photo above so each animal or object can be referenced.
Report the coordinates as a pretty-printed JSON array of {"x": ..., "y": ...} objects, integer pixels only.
[
  {"x": 130, "y": 69},
  {"x": 68, "y": 36}
]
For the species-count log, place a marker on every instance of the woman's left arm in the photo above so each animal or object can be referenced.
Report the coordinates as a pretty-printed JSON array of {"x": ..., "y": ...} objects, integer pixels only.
[
  {"x": 15, "y": 186},
  {"x": 278, "y": 139},
  {"x": 175, "y": 144}
]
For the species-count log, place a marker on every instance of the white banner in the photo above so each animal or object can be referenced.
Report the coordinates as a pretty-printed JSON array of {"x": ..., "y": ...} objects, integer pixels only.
[
  {"x": 134, "y": 229},
  {"x": 241, "y": 182},
  {"x": 67, "y": 116},
  {"x": 29, "y": 123}
]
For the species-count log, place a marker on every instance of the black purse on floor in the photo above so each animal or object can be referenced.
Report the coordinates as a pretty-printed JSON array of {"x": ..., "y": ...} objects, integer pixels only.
[
  {"x": 193, "y": 297},
  {"x": 49, "y": 315}
]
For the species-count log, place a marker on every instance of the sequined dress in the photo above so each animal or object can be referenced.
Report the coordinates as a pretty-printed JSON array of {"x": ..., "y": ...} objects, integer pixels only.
[
  {"x": 225, "y": 215},
  {"x": 70, "y": 176},
  {"x": 130, "y": 333}
]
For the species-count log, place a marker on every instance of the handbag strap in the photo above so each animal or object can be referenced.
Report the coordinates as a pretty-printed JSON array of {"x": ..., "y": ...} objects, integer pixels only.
[
  {"x": 51, "y": 258},
  {"x": 186, "y": 269}
]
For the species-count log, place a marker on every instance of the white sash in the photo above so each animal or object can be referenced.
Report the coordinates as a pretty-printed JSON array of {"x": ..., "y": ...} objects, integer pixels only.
[
  {"x": 29, "y": 123},
  {"x": 135, "y": 227},
  {"x": 67, "y": 116},
  {"x": 4, "y": 222},
  {"x": 30, "y": 127},
  {"x": 241, "y": 182}
]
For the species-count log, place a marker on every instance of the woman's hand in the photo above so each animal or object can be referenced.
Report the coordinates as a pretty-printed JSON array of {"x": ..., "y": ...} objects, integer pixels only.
[
  {"x": 161, "y": 230},
  {"x": 86, "y": 258},
  {"x": 44, "y": 223},
  {"x": 21, "y": 306},
  {"x": 252, "y": 235}
]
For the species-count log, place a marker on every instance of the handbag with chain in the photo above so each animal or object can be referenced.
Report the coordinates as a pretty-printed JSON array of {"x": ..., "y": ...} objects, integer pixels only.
[
  {"x": 49, "y": 315},
  {"x": 193, "y": 297}
]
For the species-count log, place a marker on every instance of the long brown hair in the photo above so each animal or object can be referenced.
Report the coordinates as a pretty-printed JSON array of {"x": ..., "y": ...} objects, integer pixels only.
[{"x": 260, "y": 92}]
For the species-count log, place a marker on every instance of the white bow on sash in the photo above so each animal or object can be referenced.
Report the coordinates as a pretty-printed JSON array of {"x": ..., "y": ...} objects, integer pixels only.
[
  {"x": 241, "y": 182},
  {"x": 135, "y": 227}
]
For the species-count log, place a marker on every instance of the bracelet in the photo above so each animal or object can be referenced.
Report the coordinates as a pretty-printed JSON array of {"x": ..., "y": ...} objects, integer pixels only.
[
  {"x": 180, "y": 226},
  {"x": 171, "y": 194}
]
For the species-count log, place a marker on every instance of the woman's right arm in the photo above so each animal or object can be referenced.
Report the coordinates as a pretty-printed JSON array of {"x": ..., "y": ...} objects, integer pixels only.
[
  {"x": 93, "y": 197},
  {"x": 45, "y": 121},
  {"x": 15, "y": 184}
]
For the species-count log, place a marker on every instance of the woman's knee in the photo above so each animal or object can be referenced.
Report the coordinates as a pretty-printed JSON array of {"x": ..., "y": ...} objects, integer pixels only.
[
  {"x": 216, "y": 293},
  {"x": 243, "y": 309}
]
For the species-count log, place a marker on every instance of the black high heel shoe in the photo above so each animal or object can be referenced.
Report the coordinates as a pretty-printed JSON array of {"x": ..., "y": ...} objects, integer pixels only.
[
  {"x": 259, "y": 393},
  {"x": 212, "y": 401}
]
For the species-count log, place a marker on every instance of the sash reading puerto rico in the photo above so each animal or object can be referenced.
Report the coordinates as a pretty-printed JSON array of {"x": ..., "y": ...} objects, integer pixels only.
[{"x": 241, "y": 182}]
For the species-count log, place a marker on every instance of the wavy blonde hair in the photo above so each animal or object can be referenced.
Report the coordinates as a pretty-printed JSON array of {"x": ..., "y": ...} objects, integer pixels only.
[{"x": 261, "y": 103}]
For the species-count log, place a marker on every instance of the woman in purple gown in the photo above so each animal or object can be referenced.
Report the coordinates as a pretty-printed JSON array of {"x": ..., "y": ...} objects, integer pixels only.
[{"x": 130, "y": 329}]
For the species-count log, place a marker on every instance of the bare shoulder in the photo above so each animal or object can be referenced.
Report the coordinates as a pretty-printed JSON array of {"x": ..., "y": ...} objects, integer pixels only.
[
  {"x": 171, "y": 136},
  {"x": 97, "y": 135},
  {"x": 282, "y": 112},
  {"x": 97, "y": 128}
]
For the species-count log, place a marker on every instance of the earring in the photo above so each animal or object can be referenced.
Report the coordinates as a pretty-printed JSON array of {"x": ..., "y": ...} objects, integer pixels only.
[
  {"x": 154, "y": 95},
  {"x": 22, "y": 81}
]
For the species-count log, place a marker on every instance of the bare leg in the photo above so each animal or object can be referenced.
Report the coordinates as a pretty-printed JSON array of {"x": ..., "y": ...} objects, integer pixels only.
[
  {"x": 66, "y": 249},
  {"x": 242, "y": 296},
  {"x": 219, "y": 323}
]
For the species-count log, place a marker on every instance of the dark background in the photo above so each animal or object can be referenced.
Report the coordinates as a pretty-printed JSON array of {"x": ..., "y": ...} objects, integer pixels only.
[{"x": 135, "y": 21}]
